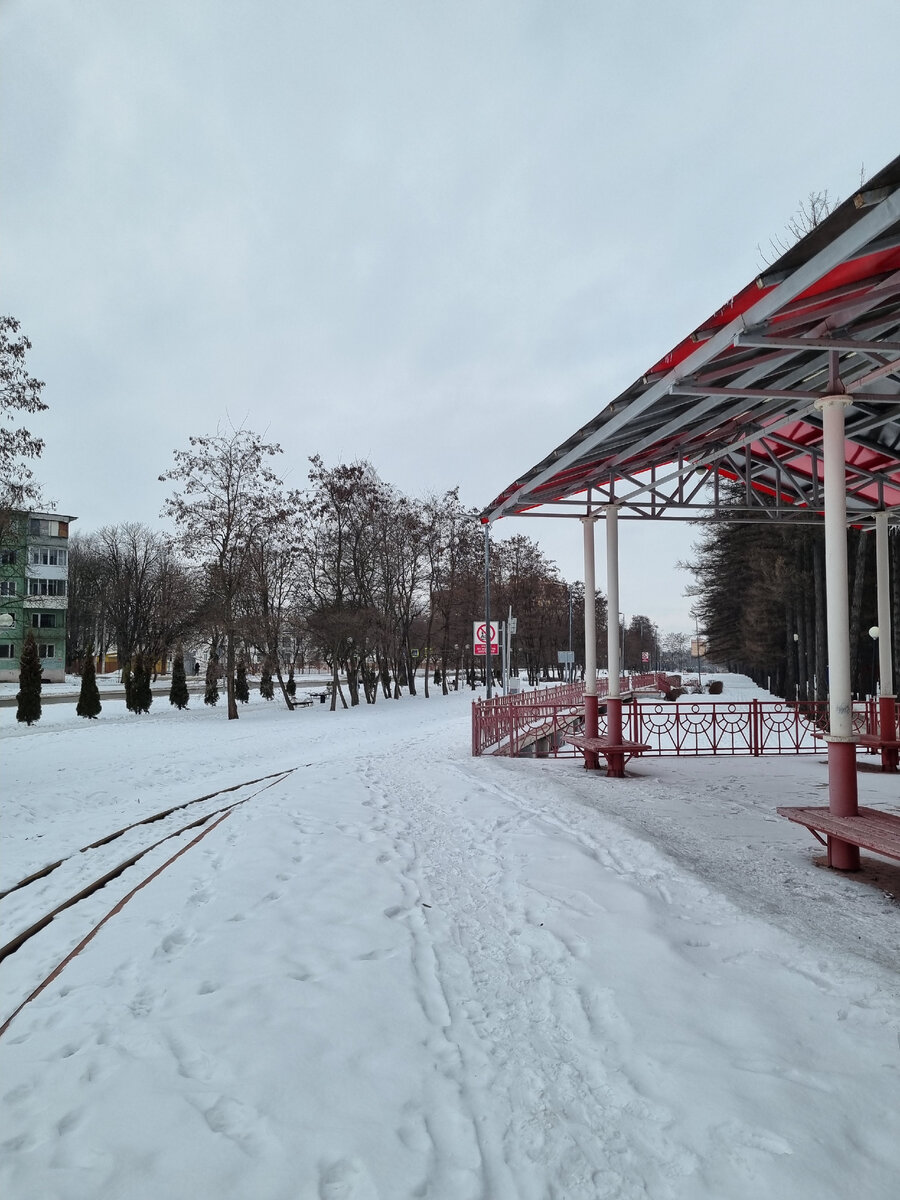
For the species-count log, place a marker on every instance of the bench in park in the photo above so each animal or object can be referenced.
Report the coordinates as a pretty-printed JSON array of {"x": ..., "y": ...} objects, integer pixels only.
[
  {"x": 620, "y": 751},
  {"x": 870, "y": 829},
  {"x": 890, "y": 750}
]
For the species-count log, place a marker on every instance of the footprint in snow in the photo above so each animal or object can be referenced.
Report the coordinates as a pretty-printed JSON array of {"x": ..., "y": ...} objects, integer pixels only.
[{"x": 346, "y": 1179}]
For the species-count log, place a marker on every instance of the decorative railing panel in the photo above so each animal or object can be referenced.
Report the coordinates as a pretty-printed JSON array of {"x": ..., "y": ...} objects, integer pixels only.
[{"x": 538, "y": 722}]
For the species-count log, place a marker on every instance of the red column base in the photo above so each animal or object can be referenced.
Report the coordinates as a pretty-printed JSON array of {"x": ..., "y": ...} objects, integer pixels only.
[
  {"x": 591, "y": 730},
  {"x": 842, "y": 801},
  {"x": 887, "y": 731},
  {"x": 615, "y": 762}
]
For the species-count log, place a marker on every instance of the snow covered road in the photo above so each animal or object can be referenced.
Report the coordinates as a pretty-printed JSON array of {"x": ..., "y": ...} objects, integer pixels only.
[{"x": 403, "y": 972}]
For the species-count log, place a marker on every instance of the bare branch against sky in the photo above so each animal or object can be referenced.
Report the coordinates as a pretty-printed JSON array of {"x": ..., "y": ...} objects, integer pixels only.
[{"x": 436, "y": 236}]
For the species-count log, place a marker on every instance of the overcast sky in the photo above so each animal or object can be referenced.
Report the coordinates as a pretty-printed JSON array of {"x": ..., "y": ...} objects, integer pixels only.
[{"x": 437, "y": 235}]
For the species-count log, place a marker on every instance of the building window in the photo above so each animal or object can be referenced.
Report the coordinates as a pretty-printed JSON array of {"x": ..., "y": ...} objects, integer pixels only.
[
  {"x": 7, "y": 558},
  {"x": 43, "y": 556},
  {"x": 7, "y": 587},
  {"x": 46, "y": 587},
  {"x": 38, "y": 527},
  {"x": 46, "y": 650},
  {"x": 7, "y": 650},
  {"x": 43, "y": 620}
]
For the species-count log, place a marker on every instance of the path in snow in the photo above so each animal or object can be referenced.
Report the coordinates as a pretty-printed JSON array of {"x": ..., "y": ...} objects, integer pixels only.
[{"x": 402, "y": 972}]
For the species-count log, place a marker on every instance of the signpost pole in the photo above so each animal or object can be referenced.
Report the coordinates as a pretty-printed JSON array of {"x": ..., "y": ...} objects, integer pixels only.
[{"x": 487, "y": 607}]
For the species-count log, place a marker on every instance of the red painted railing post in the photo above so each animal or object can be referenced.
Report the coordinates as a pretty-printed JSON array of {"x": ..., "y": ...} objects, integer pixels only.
[{"x": 887, "y": 731}]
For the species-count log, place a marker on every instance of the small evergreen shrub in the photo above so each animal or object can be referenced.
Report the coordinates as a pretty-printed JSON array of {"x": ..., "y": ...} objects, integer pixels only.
[
  {"x": 178, "y": 692},
  {"x": 28, "y": 698},
  {"x": 141, "y": 695},
  {"x": 291, "y": 684},
  {"x": 241, "y": 690},
  {"x": 266, "y": 689},
  {"x": 89, "y": 697},
  {"x": 211, "y": 696}
]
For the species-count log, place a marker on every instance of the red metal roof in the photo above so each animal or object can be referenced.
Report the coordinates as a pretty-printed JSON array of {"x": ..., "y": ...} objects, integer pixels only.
[{"x": 736, "y": 397}]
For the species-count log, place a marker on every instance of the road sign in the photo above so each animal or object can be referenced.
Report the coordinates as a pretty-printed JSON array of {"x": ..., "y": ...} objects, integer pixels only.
[
  {"x": 565, "y": 656},
  {"x": 513, "y": 622},
  {"x": 645, "y": 656},
  {"x": 479, "y": 638}
]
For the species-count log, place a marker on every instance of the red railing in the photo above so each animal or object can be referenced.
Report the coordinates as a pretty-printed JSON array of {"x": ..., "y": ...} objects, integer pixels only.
[
  {"x": 537, "y": 723},
  {"x": 509, "y": 724}
]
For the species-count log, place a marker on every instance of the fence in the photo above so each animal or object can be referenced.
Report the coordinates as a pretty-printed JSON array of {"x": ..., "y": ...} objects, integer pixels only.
[
  {"x": 509, "y": 724},
  {"x": 695, "y": 727}
]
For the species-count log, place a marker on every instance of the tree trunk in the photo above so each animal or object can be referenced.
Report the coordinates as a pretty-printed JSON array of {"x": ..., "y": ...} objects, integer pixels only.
[
  {"x": 288, "y": 701},
  {"x": 229, "y": 677},
  {"x": 353, "y": 680},
  {"x": 790, "y": 658},
  {"x": 428, "y": 649}
]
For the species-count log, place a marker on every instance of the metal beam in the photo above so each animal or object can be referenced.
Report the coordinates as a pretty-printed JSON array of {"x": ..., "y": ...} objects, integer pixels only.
[
  {"x": 872, "y": 225},
  {"x": 814, "y": 343}
]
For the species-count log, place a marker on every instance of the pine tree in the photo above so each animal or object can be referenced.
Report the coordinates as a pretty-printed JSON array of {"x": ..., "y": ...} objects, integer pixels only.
[
  {"x": 291, "y": 685},
  {"x": 241, "y": 690},
  {"x": 266, "y": 688},
  {"x": 141, "y": 695},
  {"x": 178, "y": 692},
  {"x": 29, "y": 695},
  {"x": 212, "y": 681},
  {"x": 89, "y": 697}
]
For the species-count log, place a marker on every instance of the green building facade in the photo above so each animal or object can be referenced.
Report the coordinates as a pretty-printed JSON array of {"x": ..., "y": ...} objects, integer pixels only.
[{"x": 34, "y": 574}]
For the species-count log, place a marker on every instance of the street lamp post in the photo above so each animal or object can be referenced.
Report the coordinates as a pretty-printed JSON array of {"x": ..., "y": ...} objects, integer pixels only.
[
  {"x": 873, "y": 634},
  {"x": 696, "y": 617}
]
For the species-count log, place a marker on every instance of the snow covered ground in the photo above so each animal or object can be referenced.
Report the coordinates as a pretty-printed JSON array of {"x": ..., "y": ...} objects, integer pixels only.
[{"x": 397, "y": 971}]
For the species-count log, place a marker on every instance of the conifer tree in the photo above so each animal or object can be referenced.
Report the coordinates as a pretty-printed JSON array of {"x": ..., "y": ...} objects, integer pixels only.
[
  {"x": 141, "y": 695},
  {"x": 266, "y": 688},
  {"x": 212, "y": 681},
  {"x": 29, "y": 695},
  {"x": 241, "y": 690},
  {"x": 178, "y": 692},
  {"x": 128, "y": 685},
  {"x": 89, "y": 696}
]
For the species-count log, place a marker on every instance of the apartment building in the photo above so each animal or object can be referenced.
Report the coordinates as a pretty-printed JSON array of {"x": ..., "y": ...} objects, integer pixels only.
[{"x": 34, "y": 570}]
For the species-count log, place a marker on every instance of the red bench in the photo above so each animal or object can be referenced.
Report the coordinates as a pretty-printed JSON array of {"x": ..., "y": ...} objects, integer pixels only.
[
  {"x": 870, "y": 829},
  {"x": 621, "y": 751},
  {"x": 890, "y": 751}
]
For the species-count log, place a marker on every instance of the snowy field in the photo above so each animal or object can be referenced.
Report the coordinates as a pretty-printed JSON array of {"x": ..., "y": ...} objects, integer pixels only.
[{"x": 397, "y": 971}]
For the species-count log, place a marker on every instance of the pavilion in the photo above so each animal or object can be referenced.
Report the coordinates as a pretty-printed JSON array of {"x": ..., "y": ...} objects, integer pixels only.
[{"x": 791, "y": 390}]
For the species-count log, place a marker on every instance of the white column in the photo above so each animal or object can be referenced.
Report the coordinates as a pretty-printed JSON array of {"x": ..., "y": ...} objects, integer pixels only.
[
  {"x": 882, "y": 566},
  {"x": 590, "y": 609},
  {"x": 836, "y": 577},
  {"x": 612, "y": 598}
]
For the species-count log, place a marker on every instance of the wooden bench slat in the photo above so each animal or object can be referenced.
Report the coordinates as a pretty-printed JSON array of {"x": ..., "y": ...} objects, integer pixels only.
[
  {"x": 871, "y": 829},
  {"x": 601, "y": 744}
]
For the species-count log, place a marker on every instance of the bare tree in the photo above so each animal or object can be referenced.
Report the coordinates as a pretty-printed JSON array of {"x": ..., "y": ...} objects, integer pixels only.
[
  {"x": 19, "y": 393},
  {"x": 274, "y": 583},
  {"x": 810, "y": 212},
  {"x": 223, "y": 507}
]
